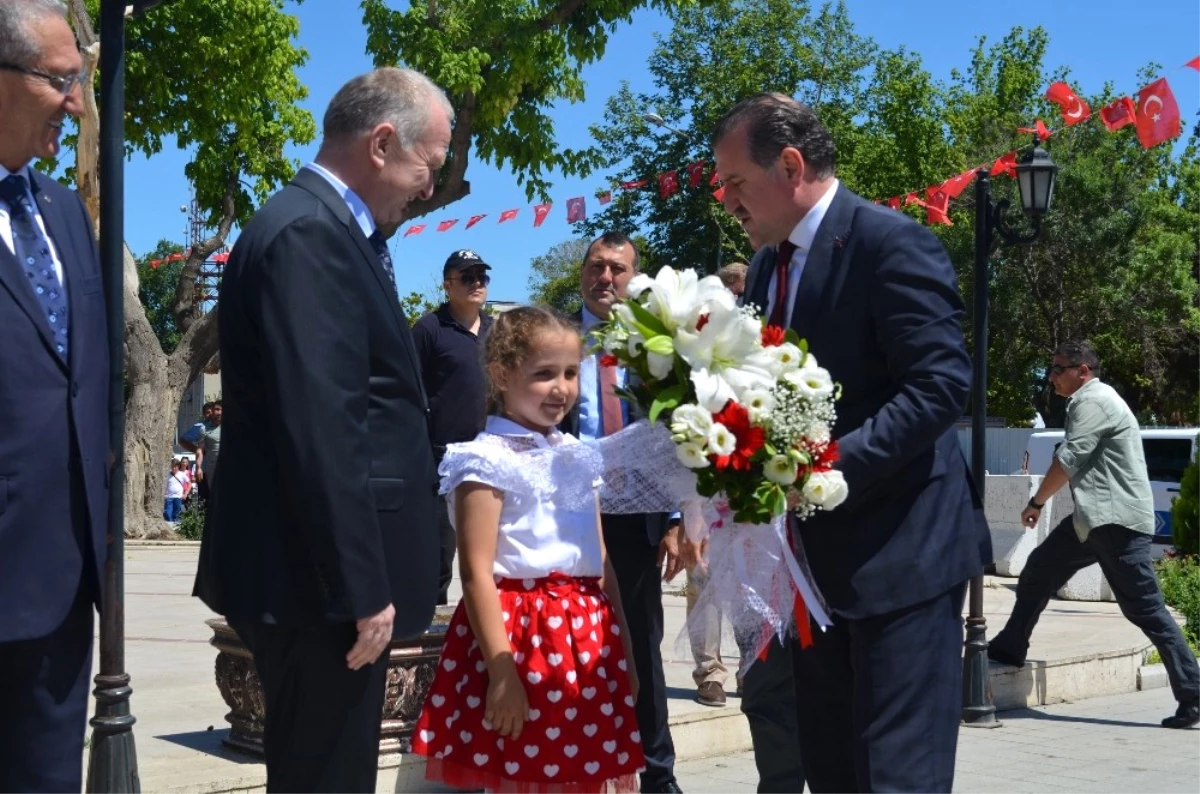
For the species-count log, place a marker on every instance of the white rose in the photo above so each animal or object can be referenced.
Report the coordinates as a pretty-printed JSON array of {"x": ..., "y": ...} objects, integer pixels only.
[
  {"x": 721, "y": 441},
  {"x": 781, "y": 469},
  {"x": 787, "y": 357},
  {"x": 826, "y": 489},
  {"x": 693, "y": 422},
  {"x": 691, "y": 454},
  {"x": 759, "y": 403}
]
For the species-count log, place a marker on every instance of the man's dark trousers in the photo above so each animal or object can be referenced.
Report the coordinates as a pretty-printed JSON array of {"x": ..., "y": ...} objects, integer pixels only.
[
  {"x": 316, "y": 742},
  {"x": 769, "y": 703},
  {"x": 1124, "y": 557},
  {"x": 635, "y": 562},
  {"x": 888, "y": 689},
  {"x": 448, "y": 542}
]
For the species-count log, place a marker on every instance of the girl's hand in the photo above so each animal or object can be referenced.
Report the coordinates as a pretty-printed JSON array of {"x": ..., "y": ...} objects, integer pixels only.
[
  {"x": 634, "y": 684},
  {"x": 507, "y": 704}
]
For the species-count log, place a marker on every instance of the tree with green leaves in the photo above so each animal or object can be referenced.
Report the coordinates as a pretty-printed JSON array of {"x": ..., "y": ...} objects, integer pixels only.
[
  {"x": 554, "y": 276},
  {"x": 237, "y": 128},
  {"x": 158, "y": 279}
]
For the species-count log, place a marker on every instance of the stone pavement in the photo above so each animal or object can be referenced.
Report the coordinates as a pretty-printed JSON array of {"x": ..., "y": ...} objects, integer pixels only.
[
  {"x": 1112, "y": 743},
  {"x": 1086, "y": 648}
]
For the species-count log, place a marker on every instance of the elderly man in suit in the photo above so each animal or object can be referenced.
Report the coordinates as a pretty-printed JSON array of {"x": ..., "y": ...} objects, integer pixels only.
[
  {"x": 318, "y": 365},
  {"x": 879, "y": 695},
  {"x": 638, "y": 545},
  {"x": 53, "y": 412}
]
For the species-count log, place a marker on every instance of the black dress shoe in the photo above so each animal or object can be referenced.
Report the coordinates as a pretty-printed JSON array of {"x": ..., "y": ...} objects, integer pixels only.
[
  {"x": 1187, "y": 715},
  {"x": 666, "y": 787},
  {"x": 1000, "y": 657}
]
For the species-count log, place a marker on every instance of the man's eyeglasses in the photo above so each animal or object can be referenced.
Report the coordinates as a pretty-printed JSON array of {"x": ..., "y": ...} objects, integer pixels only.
[
  {"x": 64, "y": 84},
  {"x": 471, "y": 279},
  {"x": 1058, "y": 369}
]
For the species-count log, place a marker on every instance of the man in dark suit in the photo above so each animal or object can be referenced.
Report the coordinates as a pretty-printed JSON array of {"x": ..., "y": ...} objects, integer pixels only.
[
  {"x": 879, "y": 694},
  {"x": 318, "y": 366},
  {"x": 638, "y": 544},
  {"x": 53, "y": 414}
]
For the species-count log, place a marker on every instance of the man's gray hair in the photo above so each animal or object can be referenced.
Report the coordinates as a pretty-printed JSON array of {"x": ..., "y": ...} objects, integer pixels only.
[
  {"x": 390, "y": 94},
  {"x": 18, "y": 20}
]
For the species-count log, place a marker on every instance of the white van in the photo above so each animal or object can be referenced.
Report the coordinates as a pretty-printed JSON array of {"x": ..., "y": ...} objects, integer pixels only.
[{"x": 1168, "y": 451}]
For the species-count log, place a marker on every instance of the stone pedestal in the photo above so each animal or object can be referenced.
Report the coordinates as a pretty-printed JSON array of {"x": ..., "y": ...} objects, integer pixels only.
[{"x": 411, "y": 665}]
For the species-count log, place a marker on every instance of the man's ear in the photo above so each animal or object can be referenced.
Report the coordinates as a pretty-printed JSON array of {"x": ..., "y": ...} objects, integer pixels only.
[
  {"x": 381, "y": 140},
  {"x": 793, "y": 164}
]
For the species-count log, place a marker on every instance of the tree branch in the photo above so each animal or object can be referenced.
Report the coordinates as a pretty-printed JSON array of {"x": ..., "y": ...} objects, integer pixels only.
[
  {"x": 185, "y": 308},
  {"x": 196, "y": 348},
  {"x": 559, "y": 15}
]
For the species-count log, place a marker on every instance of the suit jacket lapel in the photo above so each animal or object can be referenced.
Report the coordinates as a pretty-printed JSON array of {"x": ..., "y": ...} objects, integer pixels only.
[
  {"x": 823, "y": 257},
  {"x": 68, "y": 254},
  {"x": 317, "y": 185},
  {"x": 761, "y": 270}
]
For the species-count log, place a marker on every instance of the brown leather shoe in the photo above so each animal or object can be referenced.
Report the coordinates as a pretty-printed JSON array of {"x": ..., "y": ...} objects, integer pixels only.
[{"x": 710, "y": 693}]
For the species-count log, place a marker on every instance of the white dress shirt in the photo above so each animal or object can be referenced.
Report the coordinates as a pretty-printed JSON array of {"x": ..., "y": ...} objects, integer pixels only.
[
  {"x": 536, "y": 538},
  {"x": 6, "y": 231},
  {"x": 802, "y": 237}
]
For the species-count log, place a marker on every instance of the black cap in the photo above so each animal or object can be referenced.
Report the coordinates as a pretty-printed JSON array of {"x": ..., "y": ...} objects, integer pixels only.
[{"x": 463, "y": 259}]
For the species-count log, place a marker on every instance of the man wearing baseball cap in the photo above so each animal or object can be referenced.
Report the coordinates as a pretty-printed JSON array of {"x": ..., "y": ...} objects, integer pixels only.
[{"x": 449, "y": 347}]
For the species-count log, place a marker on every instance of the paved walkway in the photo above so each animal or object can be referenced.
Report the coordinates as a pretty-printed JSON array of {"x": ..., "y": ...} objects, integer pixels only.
[{"x": 1102, "y": 744}]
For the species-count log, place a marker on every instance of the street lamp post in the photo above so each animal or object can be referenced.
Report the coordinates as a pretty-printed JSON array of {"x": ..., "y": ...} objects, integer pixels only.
[
  {"x": 1035, "y": 180},
  {"x": 658, "y": 121},
  {"x": 112, "y": 764}
]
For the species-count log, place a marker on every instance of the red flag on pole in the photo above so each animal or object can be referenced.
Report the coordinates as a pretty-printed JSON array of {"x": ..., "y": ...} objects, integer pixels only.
[
  {"x": 1039, "y": 128},
  {"x": 420, "y": 227},
  {"x": 1005, "y": 164},
  {"x": 474, "y": 219},
  {"x": 221, "y": 258},
  {"x": 937, "y": 205},
  {"x": 719, "y": 194},
  {"x": 911, "y": 198},
  {"x": 633, "y": 185},
  {"x": 714, "y": 178},
  {"x": 668, "y": 184},
  {"x": 894, "y": 202},
  {"x": 507, "y": 215},
  {"x": 540, "y": 211},
  {"x": 444, "y": 225},
  {"x": 1157, "y": 114},
  {"x": 604, "y": 198},
  {"x": 1118, "y": 114},
  {"x": 1073, "y": 109},
  {"x": 695, "y": 173},
  {"x": 955, "y": 185},
  {"x": 576, "y": 210},
  {"x": 1194, "y": 63}
]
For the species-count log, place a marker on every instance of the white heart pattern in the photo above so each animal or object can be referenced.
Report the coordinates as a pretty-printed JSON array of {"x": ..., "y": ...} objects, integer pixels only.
[
  {"x": 538, "y": 604},
  {"x": 618, "y": 720},
  {"x": 511, "y": 767},
  {"x": 533, "y": 715},
  {"x": 555, "y": 659},
  {"x": 531, "y": 750},
  {"x": 622, "y": 666},
  {"x": 528, "y": 584},
  {"x": 606, "y": 709},
  {"x": 565, "y": 604},
  {"x": 610, "y": 746},
  {"x": 437, "y": 701},
  {"x": 480, "y": 759},
  {"x": 519, "y": 657},
  {"x": 466, "y": 736},
  {"x": 460, "y": 631},
  {"x": 550, "y": 769},
  {"x": 622, "y": 758},
  {"x": 636, "y": 737},
  {"x": 616, "y": 630},
  {"x": 533, "y": 677},
  {"x": 605, "y": 651},
  {"x": 600, "y": 671},
  {"x": 487, "y": 726},
  {"x": 480, "y": 666},
  {"x": 591, "y": 767},
  {"x": 524, "y": 621},
  {"x": 536, "y": 640},
  {"x": 585, "y": 656},
  {"x": 589, "y": 692},
  {"x": 612, "y": 687},
  {"x": 571, "y": 713},
  {"x": 450, "y": 664},
  {"x": 629, "y": 701},
  {"x": 427, "y": 736},
  {"x": 553, "y": 733},
  {"x": 473, "y": 702},
  {"x": 577, "y": 623},
  {"x": 554, "y": 695},
  {"x": 499, "y": 742},
  {"x": 589, "y": 730},
  {"x": 592, "y": 636},
  {"x": 507, "y": 617},
  {"x": 571, "y": 676},
  {"x": 554, "y": 622},
  {"x": 570, "y": 751}
]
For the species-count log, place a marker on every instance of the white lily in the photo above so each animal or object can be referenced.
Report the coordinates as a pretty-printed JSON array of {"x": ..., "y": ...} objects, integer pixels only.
[{"x": 679, "y": 297}]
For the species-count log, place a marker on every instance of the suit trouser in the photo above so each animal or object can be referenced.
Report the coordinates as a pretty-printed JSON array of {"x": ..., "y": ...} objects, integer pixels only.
[
  {"x": 448, "y": 541},
  {"x": 1124, "y": 557},
  {"x": 322, "y": 718},
  {"x": 635, "y": 563},
  {"x": 769, "y": 703},
  {"x": 44, "y": 686},
  {"x": 879, "y": 699}
]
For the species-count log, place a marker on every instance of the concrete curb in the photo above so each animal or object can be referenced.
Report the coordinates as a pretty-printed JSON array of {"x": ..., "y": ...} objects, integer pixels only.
[{"x": 1152, "y": 676}]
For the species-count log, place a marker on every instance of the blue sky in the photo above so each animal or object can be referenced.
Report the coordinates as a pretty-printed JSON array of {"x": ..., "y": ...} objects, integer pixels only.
[{"x": 1100, "y": 40}]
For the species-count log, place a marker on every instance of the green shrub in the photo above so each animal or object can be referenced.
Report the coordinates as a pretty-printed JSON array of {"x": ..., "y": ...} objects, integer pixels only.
[
  {"x": 191, "y": 521},
  {"x": 1185, "y": 512},
  {"x": 1179, "y": 578}
]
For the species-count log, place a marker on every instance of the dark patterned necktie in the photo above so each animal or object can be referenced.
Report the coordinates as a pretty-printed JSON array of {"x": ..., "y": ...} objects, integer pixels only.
[
  {"x": 32, "y": 251},
  {"x": 783, "y": 260},
  {"x": 385, "y": 258}
]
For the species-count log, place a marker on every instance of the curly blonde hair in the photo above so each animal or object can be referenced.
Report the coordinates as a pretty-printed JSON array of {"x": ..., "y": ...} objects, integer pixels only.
[{"x": 512, "y": 339}]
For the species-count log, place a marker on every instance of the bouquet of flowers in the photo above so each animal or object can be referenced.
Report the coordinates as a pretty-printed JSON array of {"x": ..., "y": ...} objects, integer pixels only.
[{"x": 748, "y": 406}]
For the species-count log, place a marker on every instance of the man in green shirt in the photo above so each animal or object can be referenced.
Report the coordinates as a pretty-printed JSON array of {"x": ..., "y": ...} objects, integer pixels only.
[{"x": 1101, "y": 457}]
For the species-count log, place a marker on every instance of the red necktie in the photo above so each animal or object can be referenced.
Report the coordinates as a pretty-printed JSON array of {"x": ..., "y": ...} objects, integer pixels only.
[
  {"x": 783, "y": 258},
  {"x": 610, "y": 404}
]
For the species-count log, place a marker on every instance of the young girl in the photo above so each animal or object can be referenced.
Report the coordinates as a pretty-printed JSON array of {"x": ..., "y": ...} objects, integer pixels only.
[{"x": 533, "y": 692}]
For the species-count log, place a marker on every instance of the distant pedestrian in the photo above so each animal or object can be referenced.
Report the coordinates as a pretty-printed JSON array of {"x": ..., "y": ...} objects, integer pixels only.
[{"x": 176, "y": 490}]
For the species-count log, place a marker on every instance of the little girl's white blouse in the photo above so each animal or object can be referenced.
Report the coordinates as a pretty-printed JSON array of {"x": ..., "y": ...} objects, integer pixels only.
[{"x": 536, "y": 537}]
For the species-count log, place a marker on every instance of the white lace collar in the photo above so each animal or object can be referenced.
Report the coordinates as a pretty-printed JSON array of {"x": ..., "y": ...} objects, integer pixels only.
[{"x": 502, "y": 426}]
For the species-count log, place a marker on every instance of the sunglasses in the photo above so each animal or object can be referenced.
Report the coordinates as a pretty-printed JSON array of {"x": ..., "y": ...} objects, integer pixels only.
[
  {"x": 470, "y": 279},
  {"x": 64, "y": 84}
]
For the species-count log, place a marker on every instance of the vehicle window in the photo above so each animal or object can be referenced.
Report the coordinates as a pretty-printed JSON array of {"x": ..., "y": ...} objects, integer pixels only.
[{"x": 1166, "y": 458}]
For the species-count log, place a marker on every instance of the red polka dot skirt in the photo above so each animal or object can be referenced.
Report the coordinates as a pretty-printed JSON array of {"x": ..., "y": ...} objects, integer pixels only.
[{"x": 581, "y": 733}]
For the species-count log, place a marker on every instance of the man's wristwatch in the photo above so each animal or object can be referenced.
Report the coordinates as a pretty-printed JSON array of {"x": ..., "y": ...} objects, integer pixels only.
[{"x": 1035, "y": 505}]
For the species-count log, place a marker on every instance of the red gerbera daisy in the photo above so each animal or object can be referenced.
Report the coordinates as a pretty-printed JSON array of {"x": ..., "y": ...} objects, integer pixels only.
[
  {"x": 773, "y": 336},
  {"x": 609, "y": 360},
  {"x": 750, "y": 439}
]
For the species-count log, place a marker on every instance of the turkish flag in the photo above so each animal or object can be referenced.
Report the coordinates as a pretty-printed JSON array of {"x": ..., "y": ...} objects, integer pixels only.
[
  {"x": 474, "y": 219},
  {"x": 444, "y": 225},
  {"x": 576, "y": 210},
  {"x": 1194, "y": 63},
  {"x": 540, "y": 211},
  {"x": 1039, "y": 128},
  {"x": 604, "y": 198},
  {"x": 937, "y": 205},
  {"x": 1074, "y": 109},
  {"x": 911, "y": 198},
  {"x": 695, "y": 173},
  {"x": 1157, "y": 114},
  {"x": 719, "y": 194},
  {"x": 1005, "y": 164},
  {"x": 420, "y": 227},
  {"x": 155, "y": 263},
  {"x": 221, "y": 257},
  {"x": 507, "y": 215},
  {"x": 1118, "y": 114},
  {"x": 894, "y": 202},
  {"x": 955, "y": 185},
  {"x": 668, "y": 184},
  {"x": 715, "y": 177},
  {"x": 633, "y": 185}
]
